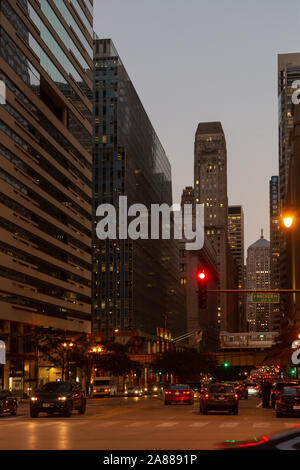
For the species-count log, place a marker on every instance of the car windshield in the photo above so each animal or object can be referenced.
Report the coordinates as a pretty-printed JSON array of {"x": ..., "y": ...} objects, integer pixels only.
[
  {"x": 282, "y": 385},
  {"x": 179, "y": 387},
  {"x": 221, "y": 389},
  {"x": 56, "y": 387},
  {"x": 101, "y": 382},
  {"x": 291, "y": 391}
]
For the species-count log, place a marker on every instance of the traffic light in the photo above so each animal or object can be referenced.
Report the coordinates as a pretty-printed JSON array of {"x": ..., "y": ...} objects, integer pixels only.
[
  {"x": 202, "y": 289},
  {"x": 226, "y": 364},
  {"x": 293, "y": 370}
]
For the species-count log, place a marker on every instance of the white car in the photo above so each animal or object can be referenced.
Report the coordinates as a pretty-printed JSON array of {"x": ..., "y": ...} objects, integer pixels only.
[{"x": 253, "y": 389}]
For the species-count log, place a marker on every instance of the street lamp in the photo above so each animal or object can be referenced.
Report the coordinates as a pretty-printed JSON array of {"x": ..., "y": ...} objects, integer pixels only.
[
  {"x": 67, "y": 347},
  {"x": 288, "y": 221}
]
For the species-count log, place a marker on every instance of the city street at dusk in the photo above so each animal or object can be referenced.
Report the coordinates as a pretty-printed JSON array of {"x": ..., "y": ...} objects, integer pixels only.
[{"x": 137, "y": 424}]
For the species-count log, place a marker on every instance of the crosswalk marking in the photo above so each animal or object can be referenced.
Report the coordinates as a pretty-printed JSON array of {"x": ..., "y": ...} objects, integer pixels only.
[
  {"x": 261, "y": 425},
  {"x": 138, "y": 424},
  {"x": 165, "y": 425},
  {"x": 229, "y": 425},
  {"x": 198, "y": 425}
]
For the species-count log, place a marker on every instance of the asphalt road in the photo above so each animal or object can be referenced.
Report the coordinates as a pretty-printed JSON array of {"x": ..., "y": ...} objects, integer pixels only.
[{"x": 138, "y": 423}]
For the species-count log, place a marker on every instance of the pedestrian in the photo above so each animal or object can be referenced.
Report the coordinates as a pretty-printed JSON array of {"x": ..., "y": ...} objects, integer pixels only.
[{"x": 266, "y": 392}]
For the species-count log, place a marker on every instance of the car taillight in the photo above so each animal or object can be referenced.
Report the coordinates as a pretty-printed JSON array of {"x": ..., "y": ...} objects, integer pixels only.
[
  {"x": 186, "y": 393},
  {"x": 206, "y": 395},
  {"x": 167, "y": 393},
  {"x": 236, "y": 396}
]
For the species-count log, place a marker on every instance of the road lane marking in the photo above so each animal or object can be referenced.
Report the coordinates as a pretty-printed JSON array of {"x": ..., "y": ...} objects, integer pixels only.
[
  {"x": 198, "y": 425},
  {"x": 261, "y": 425},
  {"x": 166, "y": 425},
  {"x": 229, "y": 425},
  {"x": 138, "y": 424},
  {"x": 259, "y": 405}
]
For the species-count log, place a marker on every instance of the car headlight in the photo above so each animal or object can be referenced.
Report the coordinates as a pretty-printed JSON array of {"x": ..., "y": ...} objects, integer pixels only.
[
  {"x": 62, "y": 398},
  {"x": 136, "y": 391},
  {"x": 126, "y": 392},
  {"x": 155, "y": 389},
  {"x": 34, "y": 399},
  {"x": 145, "y": 389}
]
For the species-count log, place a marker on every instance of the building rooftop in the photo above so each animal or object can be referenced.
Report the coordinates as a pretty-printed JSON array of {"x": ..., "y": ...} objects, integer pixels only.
[{"x": 209, "y": 128}]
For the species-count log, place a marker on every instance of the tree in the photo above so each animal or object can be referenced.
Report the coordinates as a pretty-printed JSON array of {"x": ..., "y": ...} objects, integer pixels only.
[
  {"x": 49, "y": 343},
  {"x": 185, "y": 365},
  {"x": 115, "y": 361}
]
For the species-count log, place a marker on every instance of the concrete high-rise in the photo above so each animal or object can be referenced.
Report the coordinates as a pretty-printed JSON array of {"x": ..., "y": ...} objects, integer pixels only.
[
  {"x": 258, "y": 277},
  {"x": 210, "y": 183},
  {"x": 288, "y": 72},
  {"x": 135, "y": 282},
  {"x": 46, "y": 52}
]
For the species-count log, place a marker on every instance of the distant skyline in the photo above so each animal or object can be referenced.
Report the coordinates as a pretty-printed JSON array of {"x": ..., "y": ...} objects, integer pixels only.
[{"x": 198, "y": 61}]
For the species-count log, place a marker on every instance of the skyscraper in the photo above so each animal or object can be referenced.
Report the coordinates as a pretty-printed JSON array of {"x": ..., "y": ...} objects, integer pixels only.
[
  {"x": 135, "y": 282},
  {"x": 46, "y": 172},
  {"x": 288, "y": 72},
  {"x": 258, "y": 277},
  {"x": 236, "y": 243},
  {"x": 210, "y": 183},
  {"x": 274, "y": 247}
]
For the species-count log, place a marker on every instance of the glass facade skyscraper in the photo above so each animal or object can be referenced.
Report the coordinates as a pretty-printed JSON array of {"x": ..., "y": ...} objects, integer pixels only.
[
  {"x": 135, "y": 283},
  {"x": 46, "y": 51}
]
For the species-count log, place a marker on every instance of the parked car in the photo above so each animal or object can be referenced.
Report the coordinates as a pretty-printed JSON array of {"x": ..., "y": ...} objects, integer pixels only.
[
  {"x": 134, "y": 392},
  {"x": 8, "y": 402},
  {"x": 179, "y": 393},
  {"x": 278, "y": 387},
  {"x": 219, "y": 396},
  {"x": 58, "y": 397},
  {"x": 288, "y": 401}
]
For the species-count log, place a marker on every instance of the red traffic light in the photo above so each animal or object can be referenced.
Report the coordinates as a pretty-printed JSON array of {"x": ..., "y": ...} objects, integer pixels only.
[{"x": 201, "y": 276}]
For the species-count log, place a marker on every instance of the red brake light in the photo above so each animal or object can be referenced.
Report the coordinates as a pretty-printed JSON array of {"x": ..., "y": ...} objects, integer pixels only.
[
  {"x": 206, "y": 395},
  {"x": 236, "y": 396}
]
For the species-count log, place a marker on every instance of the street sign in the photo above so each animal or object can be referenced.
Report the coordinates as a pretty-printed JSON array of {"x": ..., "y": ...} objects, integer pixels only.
[
  {"x": 266, "y": 298},
  {"x": 2, "y": 353}
]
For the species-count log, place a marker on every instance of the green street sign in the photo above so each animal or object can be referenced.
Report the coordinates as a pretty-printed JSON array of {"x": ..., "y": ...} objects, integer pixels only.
[{"x": 266, "y": 298}]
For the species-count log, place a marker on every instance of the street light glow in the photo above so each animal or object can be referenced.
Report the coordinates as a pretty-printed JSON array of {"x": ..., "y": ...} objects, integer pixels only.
[{"x": 288, "y": 221}]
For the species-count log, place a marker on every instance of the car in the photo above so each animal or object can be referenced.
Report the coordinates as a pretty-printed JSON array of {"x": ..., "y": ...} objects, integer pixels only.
[
  {"x": 8, "y": 402},
  {"x": 219, "y": 396},
  {"x": 179, "y": 393},
  {"x": 253, "y": 389},
  {"x": 154, "y": 389},
  {"x": 278, "y": 387},
  {"x": 288, "y": 401},
  {"x": 286, "y": 440},
  {"x": 58, "y": 397},
  {"x": 240, "y": 388},
  {"x": 134, "y": 392}
]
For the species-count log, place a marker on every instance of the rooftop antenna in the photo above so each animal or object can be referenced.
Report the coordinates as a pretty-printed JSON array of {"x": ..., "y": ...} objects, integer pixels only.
[{"x": 262, "y": 233}]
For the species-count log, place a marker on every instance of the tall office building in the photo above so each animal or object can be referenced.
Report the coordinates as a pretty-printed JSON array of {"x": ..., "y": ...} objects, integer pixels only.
[
  {"x": 135, "y": 282},
  {"x": 258, "y": 277},
  {"x": 236, "y": 237},
  {"x": 46, "y": 174},
  {"x": 274, "y": 248},
  {"x": 236, "y": 244},
  {"x": 210, "y": 183},
  {"x": 288, "y": 72}
]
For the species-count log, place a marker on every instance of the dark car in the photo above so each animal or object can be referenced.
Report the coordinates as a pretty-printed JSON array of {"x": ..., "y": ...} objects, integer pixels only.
[
  {"x": 287, "y": 440},
  {"x": 288, "y": 401},
  {"x": 8, "y": 403},
  {"x": 278, "y": 387},
  {"x": 179, "y": 393},
  {"x": 219, "y": 396},
  {"x": 240, "y": 388},
  {"x": 58, "y": 397}
]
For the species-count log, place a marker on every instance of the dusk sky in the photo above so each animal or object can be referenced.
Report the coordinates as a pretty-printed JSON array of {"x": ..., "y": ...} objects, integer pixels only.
[{"x": 214, "y": 60}]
